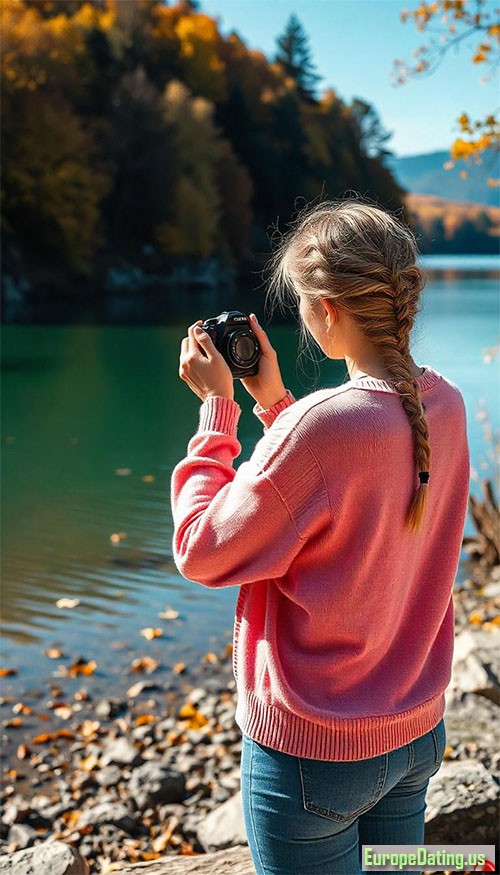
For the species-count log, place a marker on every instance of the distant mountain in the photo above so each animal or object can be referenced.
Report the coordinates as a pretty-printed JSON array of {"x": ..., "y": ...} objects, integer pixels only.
[{"x": 425, "y": 174}]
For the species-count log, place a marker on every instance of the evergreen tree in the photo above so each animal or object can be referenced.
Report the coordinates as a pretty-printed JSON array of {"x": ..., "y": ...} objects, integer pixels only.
[{"x": 294, "y": 56}]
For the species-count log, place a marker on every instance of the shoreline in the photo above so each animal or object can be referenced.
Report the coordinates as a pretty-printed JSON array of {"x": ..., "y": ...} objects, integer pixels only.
[{"x": 126, "y": 779}]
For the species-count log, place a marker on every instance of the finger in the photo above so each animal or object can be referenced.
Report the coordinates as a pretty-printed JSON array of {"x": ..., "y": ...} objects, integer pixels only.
[
  {"x": 192, "y": 345},
  {"x": 260, "y": 334},
  {"x": 205, "y": 341}
]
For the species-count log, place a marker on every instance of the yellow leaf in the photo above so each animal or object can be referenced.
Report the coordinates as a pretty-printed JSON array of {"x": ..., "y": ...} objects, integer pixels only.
[
  {"x": 81, "y": 667},
  {"x": 142, "y": 719}
]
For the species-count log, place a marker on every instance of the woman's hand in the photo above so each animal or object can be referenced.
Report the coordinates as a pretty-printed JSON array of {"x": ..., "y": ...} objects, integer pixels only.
[
  {"x": 266, "y": 387},
  {"x": 202, "y": 366}
]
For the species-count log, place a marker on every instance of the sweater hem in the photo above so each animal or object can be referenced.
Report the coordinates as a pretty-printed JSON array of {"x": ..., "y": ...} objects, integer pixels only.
[{"x": 342, "y": 738}]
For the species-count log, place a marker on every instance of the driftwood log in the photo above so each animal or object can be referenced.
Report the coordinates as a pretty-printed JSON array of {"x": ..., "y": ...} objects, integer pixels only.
[{"x": 485, "y": 515}]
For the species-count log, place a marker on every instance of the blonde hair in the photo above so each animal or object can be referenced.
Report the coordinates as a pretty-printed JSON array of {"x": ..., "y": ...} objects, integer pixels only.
[{"x": 362, "y": 258}]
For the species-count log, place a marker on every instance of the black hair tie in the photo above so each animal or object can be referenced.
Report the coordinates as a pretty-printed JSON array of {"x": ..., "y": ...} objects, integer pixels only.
[{"x": 424, "y": 476}]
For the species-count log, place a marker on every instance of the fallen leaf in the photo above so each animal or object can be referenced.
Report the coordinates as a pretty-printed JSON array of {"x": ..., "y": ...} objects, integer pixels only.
[
  {"x": 179, "y": 667},
  {"x": 148, "y": 478},
  {"x": 211, "y": 657},
  {"x": 53, "y": 653},
  {"x": 13, "y": 723},
  {"x": 82, "y": 667},
  {"x": 20, "y": 708},
  {"x": 63, "y": 711},
  {"x": 161, "y": 842},
  {"x": 67, "y": 603},
  {"x": 23, "y": 751},
  {"x": 88, "y": 763},
  {"x": 196, "y": 719},
  {"x": 142, "y": 719},
  {"x": 475, "y": 617},
  {"x": 89, "y": 728},
  {"x": 53, "y": 736},
  {"x": 151, "y": 633},
  {"x": 168, "y": 614},
  {"x": 5, "y": 672},
  {"x": 144, "y": 664}
]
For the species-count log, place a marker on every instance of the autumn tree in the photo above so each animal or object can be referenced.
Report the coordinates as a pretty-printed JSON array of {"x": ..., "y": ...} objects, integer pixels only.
[
  {"x": 212, "y": 189},
  {"x": 138, "y": 143},
  {"x": 51, "y": 182},
  {"x": 451, "y": 22}
]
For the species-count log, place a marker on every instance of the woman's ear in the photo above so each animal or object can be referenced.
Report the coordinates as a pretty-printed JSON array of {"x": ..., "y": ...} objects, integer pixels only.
[{"x": 331, "y": 311}]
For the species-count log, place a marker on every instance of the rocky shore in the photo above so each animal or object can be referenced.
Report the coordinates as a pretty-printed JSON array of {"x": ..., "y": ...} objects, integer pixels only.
[{"x": 150, "y": 783}]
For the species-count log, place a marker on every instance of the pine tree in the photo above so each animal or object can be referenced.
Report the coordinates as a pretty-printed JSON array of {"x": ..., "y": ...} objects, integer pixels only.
[{"x": 294, "y": 55}]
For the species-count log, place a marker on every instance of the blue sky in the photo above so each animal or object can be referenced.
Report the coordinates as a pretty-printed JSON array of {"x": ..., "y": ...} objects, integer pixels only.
[{"x": 354, "y": 44}]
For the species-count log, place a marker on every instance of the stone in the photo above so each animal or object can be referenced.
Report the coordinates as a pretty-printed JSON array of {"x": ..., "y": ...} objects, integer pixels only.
[
  {"x": 106, "y": 709},
  {"x": 109, "y": 776},
  {"x": 108, "y": 812},
  {"x": 224, "y": 826},
  {"x": 22, "y": 835},
  {"x": 49, "y": 858},
  {"x": 154, "y": 783},
  {"x": 459, "y": 802},
  {"x": 122, "y": 752},
  {"x": 475, "y": 666}
]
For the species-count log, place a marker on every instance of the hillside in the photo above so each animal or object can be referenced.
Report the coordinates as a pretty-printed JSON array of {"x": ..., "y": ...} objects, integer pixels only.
[
  {"x": 435, "y": 174},
  {"x": 447, "y": 226}
]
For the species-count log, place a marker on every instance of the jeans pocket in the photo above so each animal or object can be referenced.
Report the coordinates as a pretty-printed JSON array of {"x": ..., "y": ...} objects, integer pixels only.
[
  {"x": 341, "y": 791},
  {"x": 439, "y": 738}
]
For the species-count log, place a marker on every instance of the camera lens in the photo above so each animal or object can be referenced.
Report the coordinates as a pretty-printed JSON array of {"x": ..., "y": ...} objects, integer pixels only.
[{"x": 243, "y": 348}]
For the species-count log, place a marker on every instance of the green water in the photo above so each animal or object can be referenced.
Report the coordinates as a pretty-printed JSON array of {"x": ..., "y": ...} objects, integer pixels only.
[{"x": 81, "y": 402}]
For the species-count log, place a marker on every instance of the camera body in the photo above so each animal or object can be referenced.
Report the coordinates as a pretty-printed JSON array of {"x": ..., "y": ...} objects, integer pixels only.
[{"x": 233, "y": 337}]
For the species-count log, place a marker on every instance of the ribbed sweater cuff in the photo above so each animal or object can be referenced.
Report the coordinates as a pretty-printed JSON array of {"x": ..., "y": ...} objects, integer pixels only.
[
  {"x": 269, "y": 414},
  {"x": 219, "y": 414}
]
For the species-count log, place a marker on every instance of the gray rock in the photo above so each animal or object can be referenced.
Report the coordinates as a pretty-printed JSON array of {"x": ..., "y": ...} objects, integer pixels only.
[
  {"x": 120, "y": 751},
  {"x": 223, "y": 827},
  {"x": 49, "y": 858},
  {"x": 106, "y": 709},
  {"x": 16, "y": 811},
  {"x": 114, "y": 813},
  {"x": 22, "y": 835},
  {"x": 476, "y": 668},
  {"x": 155, "y": 784},
  {"x": 462, "y": 799},
  {"x": 109, "y": 776}
]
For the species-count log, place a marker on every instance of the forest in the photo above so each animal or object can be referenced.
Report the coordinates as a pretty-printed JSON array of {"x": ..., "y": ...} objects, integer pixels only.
[{"x": 134, "y": 132}]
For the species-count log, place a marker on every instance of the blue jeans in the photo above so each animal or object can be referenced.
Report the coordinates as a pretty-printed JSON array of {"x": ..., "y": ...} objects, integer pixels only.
[{"x": 311, "y": 817}]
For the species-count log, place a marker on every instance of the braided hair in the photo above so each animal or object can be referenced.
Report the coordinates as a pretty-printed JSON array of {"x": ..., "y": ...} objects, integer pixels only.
[{"x": 363, "y": 258}]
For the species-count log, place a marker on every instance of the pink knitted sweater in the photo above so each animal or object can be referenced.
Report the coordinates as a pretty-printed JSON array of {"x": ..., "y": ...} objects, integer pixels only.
[{"x": 344, "y": 626}]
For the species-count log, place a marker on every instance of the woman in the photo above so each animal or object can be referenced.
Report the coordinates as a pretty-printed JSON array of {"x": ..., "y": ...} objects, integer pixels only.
[{"x": 343, "y": 531}]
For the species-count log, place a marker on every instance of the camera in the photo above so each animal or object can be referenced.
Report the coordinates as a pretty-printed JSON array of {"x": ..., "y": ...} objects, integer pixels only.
[{"x": 233, "y": 337}]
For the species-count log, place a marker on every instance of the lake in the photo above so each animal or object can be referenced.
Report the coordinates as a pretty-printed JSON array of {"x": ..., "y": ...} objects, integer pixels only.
[{"x": 95, "y": 418}]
